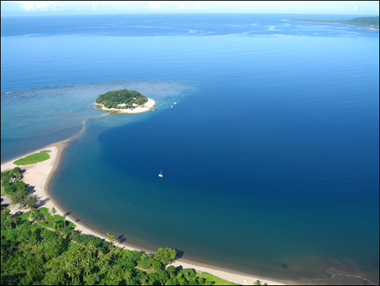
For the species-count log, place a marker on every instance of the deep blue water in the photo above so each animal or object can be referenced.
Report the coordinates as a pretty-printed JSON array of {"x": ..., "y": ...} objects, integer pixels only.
[{"x": 271, "y": 158}]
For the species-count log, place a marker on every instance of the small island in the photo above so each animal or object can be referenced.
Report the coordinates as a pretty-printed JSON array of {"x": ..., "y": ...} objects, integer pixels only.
[
  {"x": 127, "y": 101},
  {"x": 364, "y": 22}
]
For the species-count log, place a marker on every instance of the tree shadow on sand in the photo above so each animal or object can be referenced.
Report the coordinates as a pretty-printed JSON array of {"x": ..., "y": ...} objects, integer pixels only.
[
  {"x": 121, "y": 238},
  {"x": 40, "y": 203}
]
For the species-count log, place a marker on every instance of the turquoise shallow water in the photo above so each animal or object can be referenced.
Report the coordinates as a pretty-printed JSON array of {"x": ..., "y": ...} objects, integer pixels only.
[{"x": 270, "y": 158}]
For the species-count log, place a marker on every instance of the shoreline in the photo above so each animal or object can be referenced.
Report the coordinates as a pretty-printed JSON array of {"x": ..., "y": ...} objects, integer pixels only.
[
  {"x": 331, "y": 23},
  {"x": 41, "y": 175},
  {"x": 146, "y": 107}
]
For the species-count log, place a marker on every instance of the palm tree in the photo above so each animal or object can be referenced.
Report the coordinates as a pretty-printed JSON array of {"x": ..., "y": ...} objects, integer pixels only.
[
  {"x": 80, "y": 253},
  {"x": 103, "y": 261},
  {"x": 113, "y": 271},
  {"x": 127, "y": 274},
  {"x": 86, "y": 267},
  {"x": 111, "y": 238},
  {"x": 9, "y": 220},
  {"x": 6, "y": 220},
  {"x": 143, "y": 280},
  {"x": 77, "y": 272},
  {"x": 65, "y": 261},
  {"x": 89, "y": 250},
  {"x": 71, "y": 273},
  {"x": 15, "y": 219}
]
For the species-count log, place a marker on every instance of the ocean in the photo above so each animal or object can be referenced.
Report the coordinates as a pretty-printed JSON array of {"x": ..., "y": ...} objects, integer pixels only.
[{"x": 270, "y": 154}]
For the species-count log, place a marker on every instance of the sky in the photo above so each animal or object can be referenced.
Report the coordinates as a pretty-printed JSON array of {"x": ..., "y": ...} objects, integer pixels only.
[{"x": 50, "y": 8}]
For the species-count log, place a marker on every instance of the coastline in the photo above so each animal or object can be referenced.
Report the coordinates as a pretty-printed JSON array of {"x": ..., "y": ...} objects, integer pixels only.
[
  {"x": 331, "y": 23},
  {"x": 41, "y": 175},
  {"x": 146, "y": 107}
]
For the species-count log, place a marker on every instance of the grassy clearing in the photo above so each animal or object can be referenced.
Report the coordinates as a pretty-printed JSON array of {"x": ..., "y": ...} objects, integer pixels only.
[
  {"x": 45, "y": 211},
  {"x": 25, "y": 215},
  {"x": 34, "y": 158},
  {"x": 213, "y": 280},
  {"x": 147, "y": 270}
]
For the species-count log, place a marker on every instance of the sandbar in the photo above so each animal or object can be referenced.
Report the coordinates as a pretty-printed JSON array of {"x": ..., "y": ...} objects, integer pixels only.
[
  {"x": 40, "y": 176},
  {"x": 143, "y": 108}
]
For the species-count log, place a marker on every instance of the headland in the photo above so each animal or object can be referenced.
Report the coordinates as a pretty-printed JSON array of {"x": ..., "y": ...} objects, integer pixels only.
[{"x": 363, "y": 22}]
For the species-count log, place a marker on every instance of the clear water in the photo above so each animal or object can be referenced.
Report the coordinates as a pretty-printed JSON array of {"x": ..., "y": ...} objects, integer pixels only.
[{"x": 270, "y": 159}]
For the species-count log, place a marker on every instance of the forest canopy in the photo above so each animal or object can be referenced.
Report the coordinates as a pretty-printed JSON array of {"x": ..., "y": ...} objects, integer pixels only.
[
  {"x": 121, "y": 99},
  {"x": 39, "y": 248}
]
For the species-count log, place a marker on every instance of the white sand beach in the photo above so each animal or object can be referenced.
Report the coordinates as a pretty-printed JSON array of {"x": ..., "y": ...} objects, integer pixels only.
[
  {"x": 39, "y": 175},
  {"x": 143, "y": 108}
]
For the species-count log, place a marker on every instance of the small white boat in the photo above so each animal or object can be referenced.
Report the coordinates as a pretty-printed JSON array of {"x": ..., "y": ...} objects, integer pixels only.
[{"x": 160, "y": 174}]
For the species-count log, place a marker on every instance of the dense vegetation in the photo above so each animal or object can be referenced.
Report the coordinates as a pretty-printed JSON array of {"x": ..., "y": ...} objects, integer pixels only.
[
  {"x": 367, "y": 22},
  {"x": 49, "y": 251},
  {"x": 15, "y": 189},
  {"x": 33, "y": 158},
  {"x": 127, "y": 98}
]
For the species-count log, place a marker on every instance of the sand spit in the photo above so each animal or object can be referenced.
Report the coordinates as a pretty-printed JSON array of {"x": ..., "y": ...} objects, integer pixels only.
[
  {"x": 37, "y": 175},
  {"x": 40, "y": 176},
  {"x": 143, "y": 108}
]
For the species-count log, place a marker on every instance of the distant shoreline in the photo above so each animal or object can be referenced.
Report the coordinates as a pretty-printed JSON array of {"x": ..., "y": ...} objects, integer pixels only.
[
  {"x": 41, "y": 176},
  {"x": 286, "y": 20},
  {"x": 146, "y": 107}
]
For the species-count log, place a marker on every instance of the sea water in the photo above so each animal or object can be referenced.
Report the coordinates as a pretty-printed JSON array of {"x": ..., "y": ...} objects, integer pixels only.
[{"x": 270, "y": 155}]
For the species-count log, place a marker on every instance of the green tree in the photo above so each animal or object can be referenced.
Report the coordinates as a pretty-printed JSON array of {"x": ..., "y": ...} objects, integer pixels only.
[
  {"x": 111, "y": 238},
  {"x": 8, "y": 189},
  {"x": 165, "y": 255},
  {"x": 31, "y": 201},
  {"x": 127, "y": 274},
  {"x": 9, "y": 221},
  {"x": 19, "y": 196},
  {"x": 15, "y": 219},
  {"x": 172, "y": 271}
]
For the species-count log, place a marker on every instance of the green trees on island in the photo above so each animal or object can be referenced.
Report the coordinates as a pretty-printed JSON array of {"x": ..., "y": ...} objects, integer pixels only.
[
  {"x": 50, "y": 252},
  {"x": 121, "y": 99}
]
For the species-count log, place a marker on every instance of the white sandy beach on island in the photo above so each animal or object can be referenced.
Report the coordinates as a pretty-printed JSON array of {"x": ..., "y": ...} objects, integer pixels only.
[
  {"x": 39, "y": 175},
  {"x": 145, "y": 107}
]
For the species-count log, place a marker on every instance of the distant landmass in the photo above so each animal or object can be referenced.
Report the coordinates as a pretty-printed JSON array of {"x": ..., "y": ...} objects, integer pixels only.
[
  {"x": 122, "y": 99},
  {"x": 365, "y": 22}
]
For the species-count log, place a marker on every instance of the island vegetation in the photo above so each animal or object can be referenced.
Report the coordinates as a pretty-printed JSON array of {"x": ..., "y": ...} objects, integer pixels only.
[
  {"x": 121, "y": 99},
  {"x": 365, "y": 22},
  {"x": 33, "y": 158}
]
